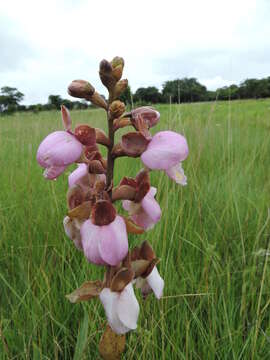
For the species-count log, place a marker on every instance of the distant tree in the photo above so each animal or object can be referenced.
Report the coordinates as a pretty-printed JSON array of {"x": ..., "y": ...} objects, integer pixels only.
[
  {"x": 9, "y": 99},
  {"x": 184, "y": 90},
  {"x": 55, "y": 101},
  {"x": 149, "y": 95}
]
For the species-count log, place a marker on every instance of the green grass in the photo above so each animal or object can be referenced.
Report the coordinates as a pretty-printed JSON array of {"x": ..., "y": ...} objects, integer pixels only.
[{"x": 213, "y": 241}]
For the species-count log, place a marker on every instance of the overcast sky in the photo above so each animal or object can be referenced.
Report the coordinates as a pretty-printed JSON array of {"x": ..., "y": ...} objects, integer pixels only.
[{"x": 44, "y": 45}]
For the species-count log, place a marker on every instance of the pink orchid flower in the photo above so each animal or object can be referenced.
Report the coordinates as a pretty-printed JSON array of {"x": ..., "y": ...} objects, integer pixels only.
[
  {"x": 59, "y": 149},
  {"x": 122, "y": 309},
  {"x": 166, "y": 151},
  {"x": 153, "y": 282},
  {"x": 145, "y": 213},
  {"x": 105, "y": 244}
]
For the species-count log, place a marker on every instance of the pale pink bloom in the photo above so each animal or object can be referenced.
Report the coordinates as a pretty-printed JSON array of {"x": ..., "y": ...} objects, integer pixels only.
[
  {"x": 72, "y": 230},
  {"x": 145, "y": 213},
  {"x": 105, "y": 244},
  {"x": 58, "y": 150},
  {"x": 166, "y": 151},
  {"x": 153, "y": 282},
  {"x": 121, "y": 308}
]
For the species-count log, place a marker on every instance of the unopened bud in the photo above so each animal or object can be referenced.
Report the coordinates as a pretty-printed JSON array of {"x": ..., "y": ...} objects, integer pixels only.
[
  {"x": 120, "y": 87},
  {"x": 117, "y": 67},
  {"x": 98, "y": 100},
  {"x": 117, "y": 108},
  {"x": 116, "y": 61},
  {"x": 105, "y": 74},
  {"x": 81, "y": 89}
]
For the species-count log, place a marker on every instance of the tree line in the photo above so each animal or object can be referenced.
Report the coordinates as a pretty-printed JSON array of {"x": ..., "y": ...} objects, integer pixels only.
[{"x": 173, "y": 91}]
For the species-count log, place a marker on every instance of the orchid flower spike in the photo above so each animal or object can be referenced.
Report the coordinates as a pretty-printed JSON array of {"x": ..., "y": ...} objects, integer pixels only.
[
  {"x": 121, "y": 308},
  {"x": 166, "y": 151}
]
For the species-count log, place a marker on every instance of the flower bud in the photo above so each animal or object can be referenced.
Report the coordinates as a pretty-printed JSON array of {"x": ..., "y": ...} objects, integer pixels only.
[
  {"x": 105, "y": 74},
  {"x": 81, "y": 89},
  {"x": 86, "y": 135},
  {"x": 98, "y": 100},
  {"x": 116, "y": 109},
  {"x": 117, "y": 67},
  {"x": 120, "y": 87}
]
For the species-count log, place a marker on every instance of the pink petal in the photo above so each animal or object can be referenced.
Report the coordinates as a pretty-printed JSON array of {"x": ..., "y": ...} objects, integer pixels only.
[
  {"x": 79, "y": 176},
  {"x": 66, "y": 118},
  {"x": 165, "y": 150},
  {"x": 143, "y": 220},
  {"x": 91, "y": 234},
  {"x": 109, "y": 301},
  {"x": 113, "y": 241},
  {"x": 53, "y": 172},
  {"x": 177, "y": 174},
  {"x": 156, "y": 282},
  {"x": 151, "y": 206},
  {"x": 128, "y": 308},
  {"x": 59, "y": 149}
]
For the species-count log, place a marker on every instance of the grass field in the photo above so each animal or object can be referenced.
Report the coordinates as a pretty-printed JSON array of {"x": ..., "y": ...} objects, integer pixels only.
[{"x": 213, "y": 241}]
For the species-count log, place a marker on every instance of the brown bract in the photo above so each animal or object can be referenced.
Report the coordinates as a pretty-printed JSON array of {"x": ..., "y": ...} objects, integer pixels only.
[
  {"x": 86, "y": 291},
  {"x": 75, "y": 196},
  {"x": 141, "y": 185},
  {"x": 81, "y": 212},
  {"x": 143, "y": 260},
  {"x": 134, "y": 144},
  {"x": 103, "y": 213},
  {"x": 85, "y": 134},
  {"x": 121, "y": 279}
]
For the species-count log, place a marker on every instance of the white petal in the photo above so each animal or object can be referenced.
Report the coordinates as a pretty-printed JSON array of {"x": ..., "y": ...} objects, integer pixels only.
[
  {"x": 128, "y": 308},
  {"x": 156, "y": 282},
  {"x": 177, "y": 174},
  {"x": 109, "y": 300}
]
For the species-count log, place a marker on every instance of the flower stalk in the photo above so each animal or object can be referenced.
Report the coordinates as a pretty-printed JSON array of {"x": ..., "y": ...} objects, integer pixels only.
[{"x": 92, "y": 221}]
